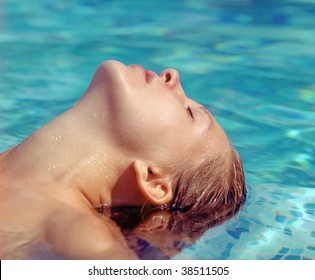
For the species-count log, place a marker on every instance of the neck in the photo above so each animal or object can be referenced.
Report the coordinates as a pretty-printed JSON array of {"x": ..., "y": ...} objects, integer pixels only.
[{"x": 63, "y": 157}]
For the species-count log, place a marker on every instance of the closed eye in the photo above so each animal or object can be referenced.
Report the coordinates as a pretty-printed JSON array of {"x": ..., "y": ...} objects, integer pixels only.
[{"x": 190, "y": 112}]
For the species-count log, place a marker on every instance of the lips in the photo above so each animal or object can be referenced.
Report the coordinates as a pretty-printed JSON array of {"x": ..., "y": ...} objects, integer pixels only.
[{"x": 149, "y": 75}]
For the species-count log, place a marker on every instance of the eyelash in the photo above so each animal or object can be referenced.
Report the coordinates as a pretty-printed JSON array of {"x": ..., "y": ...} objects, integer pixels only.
[{"x": 190, "y": 112}]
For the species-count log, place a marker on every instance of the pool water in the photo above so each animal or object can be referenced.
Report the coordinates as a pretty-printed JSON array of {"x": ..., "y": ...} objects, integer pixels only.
[{"x": 252, "y": 63}]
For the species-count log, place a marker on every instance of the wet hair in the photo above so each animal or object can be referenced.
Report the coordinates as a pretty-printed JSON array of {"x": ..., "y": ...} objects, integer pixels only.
[
  {"x": 205, "y": 196},
  {"x": 208, "y": 194}
]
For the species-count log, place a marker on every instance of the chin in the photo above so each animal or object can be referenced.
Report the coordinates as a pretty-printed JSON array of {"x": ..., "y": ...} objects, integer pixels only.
[
  {"x": 108, "y": 72},
  {"x": 111, "y": 64}
]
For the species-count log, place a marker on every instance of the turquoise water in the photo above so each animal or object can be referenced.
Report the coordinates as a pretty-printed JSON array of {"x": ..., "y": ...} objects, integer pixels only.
[{"x": 251, "y": 62}]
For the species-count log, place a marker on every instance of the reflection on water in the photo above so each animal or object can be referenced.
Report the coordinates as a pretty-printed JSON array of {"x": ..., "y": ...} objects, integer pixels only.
[{"x": 160, "y": 234}]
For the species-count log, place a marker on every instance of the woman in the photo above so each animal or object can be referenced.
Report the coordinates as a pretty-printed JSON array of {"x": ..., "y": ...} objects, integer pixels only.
[{"x": 133, "y": 139}]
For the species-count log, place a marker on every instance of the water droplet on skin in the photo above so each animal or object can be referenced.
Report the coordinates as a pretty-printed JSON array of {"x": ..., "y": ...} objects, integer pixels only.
[{"x": 102, "y": 116}]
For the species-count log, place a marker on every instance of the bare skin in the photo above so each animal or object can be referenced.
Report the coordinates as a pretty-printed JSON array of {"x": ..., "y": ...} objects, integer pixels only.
[{"x": 118, "y": 145}]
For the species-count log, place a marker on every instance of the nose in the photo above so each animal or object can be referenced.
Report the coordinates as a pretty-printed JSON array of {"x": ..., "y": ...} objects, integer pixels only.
[{"x": 170, "y": 77}]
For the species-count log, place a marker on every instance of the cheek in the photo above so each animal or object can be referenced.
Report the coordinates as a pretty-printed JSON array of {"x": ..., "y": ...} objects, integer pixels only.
[
  {"x": 165, "y": 121},
  {"x": 146, "y": 119},
  {"x": 155, "y": 134}
]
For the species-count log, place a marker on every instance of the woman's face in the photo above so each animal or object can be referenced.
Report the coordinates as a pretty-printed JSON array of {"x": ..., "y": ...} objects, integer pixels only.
[{"x": 150, "y": 114}]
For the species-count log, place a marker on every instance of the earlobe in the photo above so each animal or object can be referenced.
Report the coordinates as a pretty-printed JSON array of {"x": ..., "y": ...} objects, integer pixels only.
[{"x": 155, "y": 187}]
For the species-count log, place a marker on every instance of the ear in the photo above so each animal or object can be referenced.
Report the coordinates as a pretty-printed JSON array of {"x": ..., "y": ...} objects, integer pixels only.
[{"x": 155, "y": 186}]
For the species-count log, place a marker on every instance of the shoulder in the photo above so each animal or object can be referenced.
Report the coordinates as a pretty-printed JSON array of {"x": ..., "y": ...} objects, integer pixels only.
[{"x": 83, "y": 235}]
